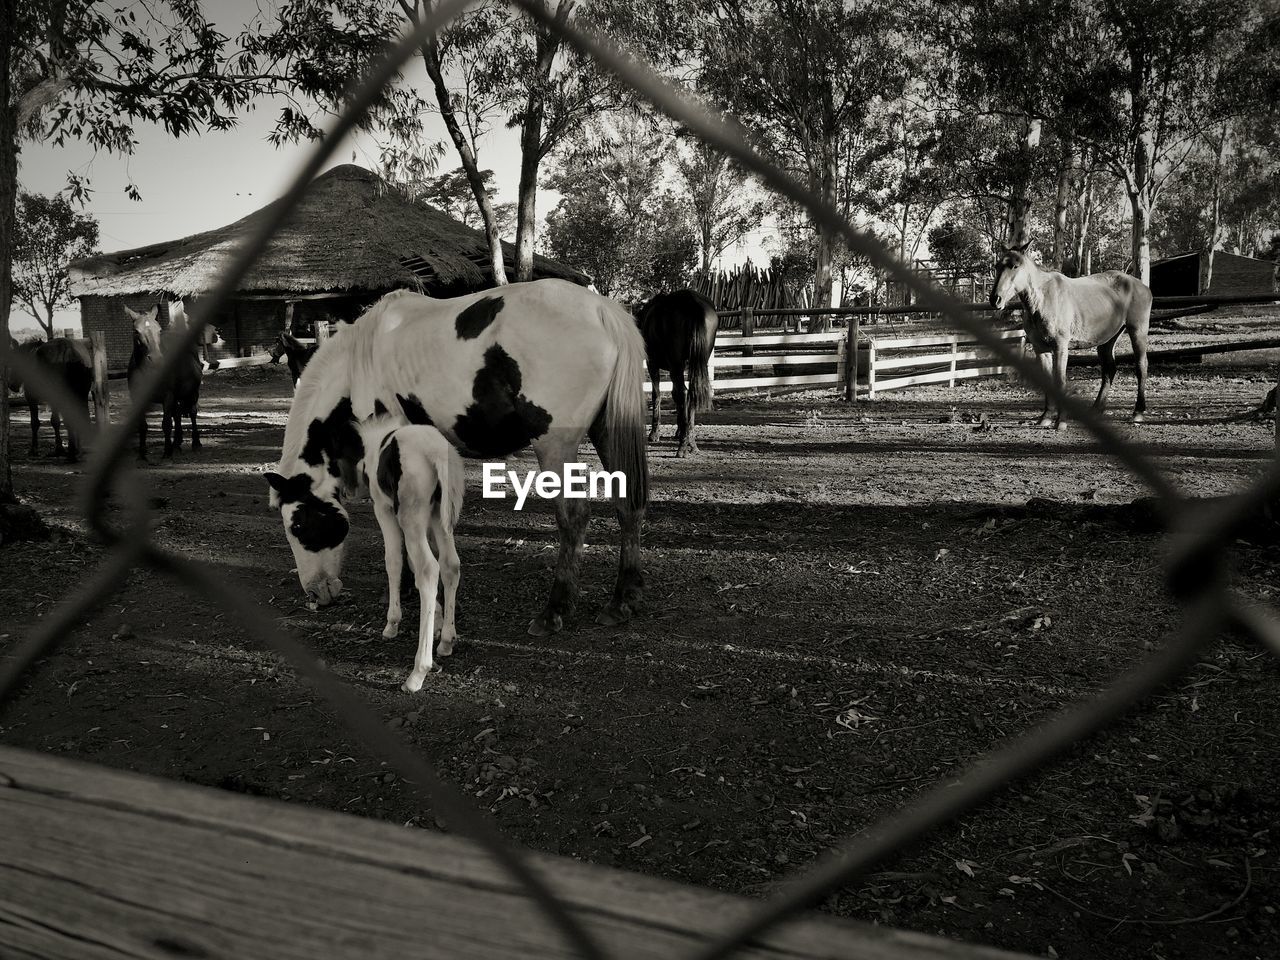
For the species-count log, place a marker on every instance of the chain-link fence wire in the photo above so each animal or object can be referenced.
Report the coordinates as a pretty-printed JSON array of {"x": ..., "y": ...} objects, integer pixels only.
[{"x": 1197, "y": 570}]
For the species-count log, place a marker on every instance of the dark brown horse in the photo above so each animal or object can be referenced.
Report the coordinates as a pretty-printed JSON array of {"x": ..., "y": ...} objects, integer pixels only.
[
  {"x": 68, "y": 362},
  {"x": 180, "y": 396},
  {"x": 679, "y": 332},
  {"x": 295, "y": 352},
  {"x": 1092, "y": 310}
]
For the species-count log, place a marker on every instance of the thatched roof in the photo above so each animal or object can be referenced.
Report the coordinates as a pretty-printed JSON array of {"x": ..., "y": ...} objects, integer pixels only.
[{"x": 351, "y": 232}]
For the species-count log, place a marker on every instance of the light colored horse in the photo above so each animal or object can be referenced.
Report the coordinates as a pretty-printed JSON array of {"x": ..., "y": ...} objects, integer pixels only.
[
  {"x": 542, "y": 364},
  {"x": 415, "y": 481},
  {"x": 1092, "y": 310}
]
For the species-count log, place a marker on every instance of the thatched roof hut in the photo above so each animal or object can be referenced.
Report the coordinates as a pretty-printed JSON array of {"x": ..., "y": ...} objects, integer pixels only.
[
  {"x": 352, "y": 238},
  {"x": 351, "y": 231}
]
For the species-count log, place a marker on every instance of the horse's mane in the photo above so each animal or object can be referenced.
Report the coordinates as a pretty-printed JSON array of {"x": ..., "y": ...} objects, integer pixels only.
[{"x": 315, "y": 377}]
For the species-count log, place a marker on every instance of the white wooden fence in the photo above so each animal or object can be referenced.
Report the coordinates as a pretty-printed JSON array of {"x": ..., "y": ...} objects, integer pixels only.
[{"x": 961, "y": 359}]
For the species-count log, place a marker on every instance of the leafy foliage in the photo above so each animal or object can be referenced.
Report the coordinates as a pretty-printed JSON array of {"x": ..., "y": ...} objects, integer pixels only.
[{"x": 49, "y": 233}]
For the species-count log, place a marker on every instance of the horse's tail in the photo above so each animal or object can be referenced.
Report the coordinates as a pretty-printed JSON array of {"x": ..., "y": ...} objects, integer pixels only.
[
  {"x": 623, "y": 412},
  {"x": 701, "y": 343}
]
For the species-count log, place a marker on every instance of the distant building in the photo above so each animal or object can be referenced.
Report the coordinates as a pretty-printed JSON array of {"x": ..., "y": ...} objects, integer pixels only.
[
  {"x": 1183, "y": 276},
  {"x": 350, "y": 240}
]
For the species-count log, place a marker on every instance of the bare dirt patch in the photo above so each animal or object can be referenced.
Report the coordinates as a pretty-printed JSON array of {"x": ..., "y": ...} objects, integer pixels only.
[{"x": 847, "y": 605}]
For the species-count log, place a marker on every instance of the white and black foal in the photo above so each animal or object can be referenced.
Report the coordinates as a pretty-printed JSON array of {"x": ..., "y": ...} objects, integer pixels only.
[{"x": 415, "y": 480}]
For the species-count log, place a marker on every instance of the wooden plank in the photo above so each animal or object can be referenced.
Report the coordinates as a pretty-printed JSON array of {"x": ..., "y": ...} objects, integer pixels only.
[
  {"x": 96, "y": 863},
  {"x": 896, "y": 343},
  {"x": 920, "y": 360},
  {"x": 777, "y": 339},
  {"x": 231, "y": 363},
  {"x": 939, "y": 376},
  {"x": 763, "y": 383},
  {"x": 760, "y": 360}
]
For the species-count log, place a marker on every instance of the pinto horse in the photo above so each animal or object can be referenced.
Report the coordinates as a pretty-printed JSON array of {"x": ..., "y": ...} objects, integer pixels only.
[
  {"x": 679, "y": 332},
  {"x": 415, "y": 480},
  {"x": 180, "y": 396},
  {"x": 295, "y": 352},
  {"x": 542, "y": 364},
  {"x": 1092, "y": 310},
  {"x": 68, "y": 362}
]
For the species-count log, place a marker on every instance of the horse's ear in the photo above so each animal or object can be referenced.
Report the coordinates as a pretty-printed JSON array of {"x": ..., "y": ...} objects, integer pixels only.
[
  {"x": 1021, "y": 247},
  {"x": 278, "y": 483}
]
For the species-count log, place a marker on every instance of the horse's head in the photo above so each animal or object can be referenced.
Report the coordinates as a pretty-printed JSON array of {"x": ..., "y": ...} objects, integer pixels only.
[
  {"x": 322, "y": 466},
  {"x": 316, "y": 526},
  {"x": 277, "y": 350},
  {"x": 146, "y": 334},
  {"x": 1013, "y": 275}
]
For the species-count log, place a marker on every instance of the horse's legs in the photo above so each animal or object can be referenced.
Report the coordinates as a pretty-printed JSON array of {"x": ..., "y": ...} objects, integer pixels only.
[
  {"x": 691, "y": 441},
  {"x": 1046, "y": 364},
  {"x": 393, "y": 558},
  {"x": 1139, "y": 340},
  {"x": 142, "y": 436},
  {"x": 34, "y": 408},
  {"x": 450, "y": 569},
  {"x": 679, "y": 399},
  {"x": 655, "y": 381},
  {"x": 427, "y": 572},
  {"x": 572, "y": 517},
  {"x": 175, "y": 417},
  {"x": 195, "y": 430},
  {"x": 1061, "y": 354},
  {"x": 628, "y": 590},
  {"x": 1107, "y": 361},
  {"x": 166, "y": 425}
]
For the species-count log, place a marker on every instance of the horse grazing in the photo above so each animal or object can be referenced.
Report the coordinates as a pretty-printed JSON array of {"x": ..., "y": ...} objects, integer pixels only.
[
  {"x": 68, "y": 362},
  {"x": 540, "y": 364},
  {"x": 679, "y": 331},
  {"x": 1092, "y": 310},
  {"x": 178, "y": 397},
  {"x": 415, "y": 479},
  {"x": 297, "y": 353}
]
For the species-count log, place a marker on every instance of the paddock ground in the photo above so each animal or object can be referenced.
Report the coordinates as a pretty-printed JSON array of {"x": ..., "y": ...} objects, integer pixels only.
[{"x": 846, "y": 605}]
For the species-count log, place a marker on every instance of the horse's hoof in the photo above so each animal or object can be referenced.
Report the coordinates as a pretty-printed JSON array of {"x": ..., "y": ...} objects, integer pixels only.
[
  {"x": 614, "y": 615},
  {"x": 1060, "y": 425},
  {"x": 544, "y": 625},
  {"x": 196, "y": 444},
  {"x": 686, "y": 450},
  {"x": 653, "y": 436},
  {"x": 1044, "y": 423},
  {"x": 413, "y": 684},
  {"x": 445, "y": 649},
  {"x": 1139, "y": 418},
  {"x": 391, "y": 630}
]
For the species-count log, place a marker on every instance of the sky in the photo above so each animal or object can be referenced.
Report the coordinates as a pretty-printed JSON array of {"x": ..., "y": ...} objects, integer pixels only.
[{"x": 202, "y": 182}]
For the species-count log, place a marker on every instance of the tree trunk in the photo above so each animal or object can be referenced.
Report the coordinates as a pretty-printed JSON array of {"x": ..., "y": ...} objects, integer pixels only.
[
  {"x": 1215, "y": 210},
  {"x": 1060, "y": 205},
  {"x": 547, "y": 43},
  {"x": 431, "y": 59},
  {"x": 826, "y": 242},
  {"x": 1020, "y": 195},
  {"x": 8, "y": 215},
  {"x": 1140, "y": 235},
  {"x": 1084, "y": 204}
]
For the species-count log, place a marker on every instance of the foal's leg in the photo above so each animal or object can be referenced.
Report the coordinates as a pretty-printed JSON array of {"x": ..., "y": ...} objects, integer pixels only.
[
  {"x": 1046, "y": 364},
  {"x": 427, "y": 572},
  {"x": 34, "y": 409},
  {"x": 655, "y": 381},
  {"x": 1107, "y": 361},
  {"x": 1139, "y": 340},
  {"x": 393, "y": 559},
  {"x": 572, "y": 517},
  {"x": 680, "y": 400},
  {"x": 1061, "y": 353},
  {"x": 55, "y": 421},
  {"x": 628, "y": 590},
  {"x": 450, "y": 570}
]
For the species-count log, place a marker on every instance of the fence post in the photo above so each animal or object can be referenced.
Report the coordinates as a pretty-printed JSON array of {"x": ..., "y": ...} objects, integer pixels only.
[
  {"x": 748, "y": 329},
  {"x": 851, "y": 362},
  {"x": 871, "y": 369},
  {"x": 322, "y": 331},
  {"x": 954, "y": 347},
  {"x": 98, "y": 354}
]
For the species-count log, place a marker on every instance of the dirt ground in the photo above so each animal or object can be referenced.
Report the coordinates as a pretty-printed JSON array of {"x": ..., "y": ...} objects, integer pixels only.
[{"x": 846, "y": 606}]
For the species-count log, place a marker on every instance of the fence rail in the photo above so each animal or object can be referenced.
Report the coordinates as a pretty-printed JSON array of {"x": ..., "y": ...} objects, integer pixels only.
[{"x": 1198, "y": 575}]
